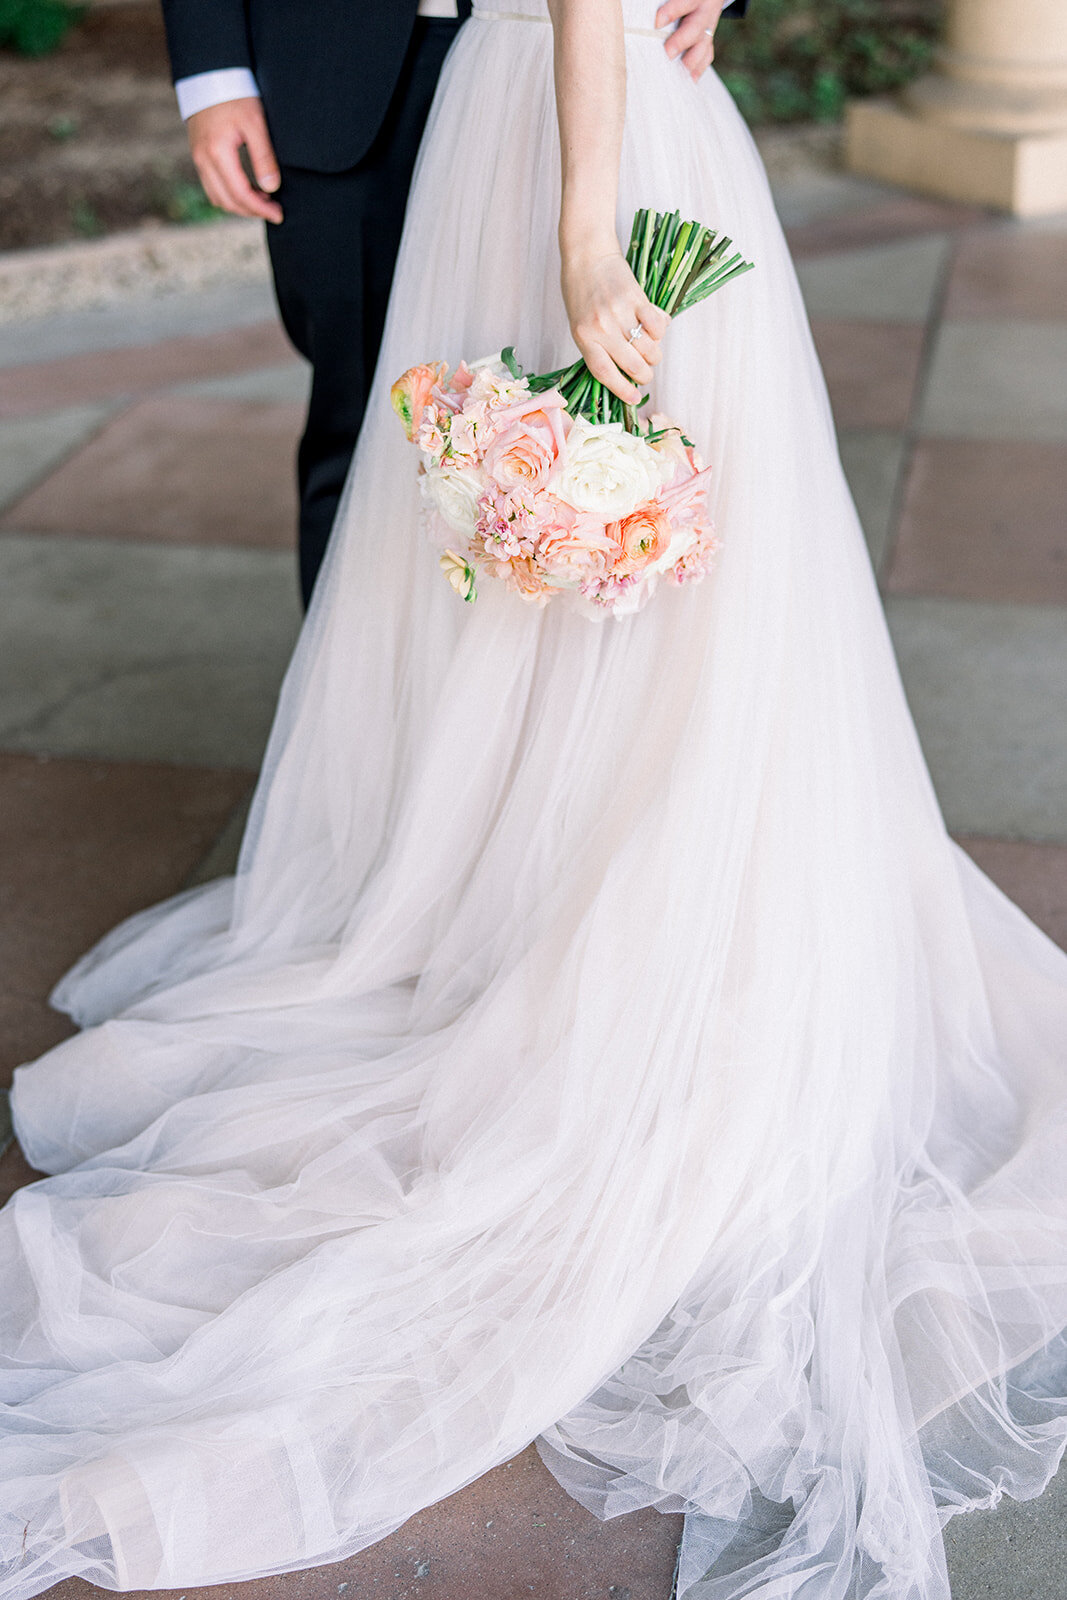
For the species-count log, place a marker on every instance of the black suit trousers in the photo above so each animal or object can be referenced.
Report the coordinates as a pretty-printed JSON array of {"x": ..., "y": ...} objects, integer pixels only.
[{"x": 333, "y": 258}]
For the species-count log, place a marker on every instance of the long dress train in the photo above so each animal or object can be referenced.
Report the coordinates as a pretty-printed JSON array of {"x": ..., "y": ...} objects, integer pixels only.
[{"x": 601, "y": 1039}]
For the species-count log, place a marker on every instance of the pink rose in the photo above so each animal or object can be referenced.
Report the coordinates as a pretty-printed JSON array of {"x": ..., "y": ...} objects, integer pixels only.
[
  {"x": 526, "y": 446},
  {"x": 573, "y": 546}
]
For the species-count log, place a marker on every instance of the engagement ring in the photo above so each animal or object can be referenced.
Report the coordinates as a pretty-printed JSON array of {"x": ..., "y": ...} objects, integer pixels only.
[{"x": 635, "y": 333}]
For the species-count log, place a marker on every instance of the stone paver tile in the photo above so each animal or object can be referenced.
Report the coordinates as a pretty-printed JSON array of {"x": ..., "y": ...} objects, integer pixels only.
[
  {"x": 289, "y": 382},
  {"x": 32, "y": 446},
  {"x": 870, "y": 369},
  {"x": 1014, "y": 1552},
  {"x": 1009, "y": 272},
  {"x": 987, "y": 521},
  {"x": 87, "y": 843},
  {"x": 139, "y": 320},
  {"x": 903, "y": 216},
  {"x": 985, "y": 683},
  {"x": 1033, "y": 875},
  {"x": 872, "y": 462},
  {"x": 511, "y": 1534},
  {"x": 140, "y": 652},
  {"x": 885, "y": 282},
  {"x": 998, "y": 380},
  {"x": 181, "y": 470},
  {"x": 139, "y": 369},
  {"x": 809, "y": 194}
]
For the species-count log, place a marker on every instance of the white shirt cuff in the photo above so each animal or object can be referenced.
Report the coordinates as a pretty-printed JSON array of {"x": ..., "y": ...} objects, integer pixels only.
[{"x": 205, "y": 89}]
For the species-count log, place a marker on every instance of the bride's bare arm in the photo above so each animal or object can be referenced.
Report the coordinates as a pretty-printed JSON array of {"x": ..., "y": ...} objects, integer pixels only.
[{"x": 603, "y": 299}]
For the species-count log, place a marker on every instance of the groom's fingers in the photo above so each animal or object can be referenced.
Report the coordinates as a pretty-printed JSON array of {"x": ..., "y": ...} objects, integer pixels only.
[
  {"x": 217, "y": 136},
  {"x": 261, "y": 151},
  {"x": 224, "y": 168}
]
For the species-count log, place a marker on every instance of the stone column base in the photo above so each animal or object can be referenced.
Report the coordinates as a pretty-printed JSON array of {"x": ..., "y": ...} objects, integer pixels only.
[{"x": 1022, "y": 173}]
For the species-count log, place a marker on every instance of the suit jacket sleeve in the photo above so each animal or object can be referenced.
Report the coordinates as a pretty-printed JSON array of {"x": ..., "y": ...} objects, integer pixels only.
[
  {"x": 206, "y": 35},
  {"x": 737, "y": 9}
]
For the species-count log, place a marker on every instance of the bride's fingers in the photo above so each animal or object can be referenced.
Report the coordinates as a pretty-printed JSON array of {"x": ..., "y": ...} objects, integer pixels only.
[
  {"x": 604, "y": 368},
  {"x": 654, "y": 321},
  {"x": 629, "y": 355}
]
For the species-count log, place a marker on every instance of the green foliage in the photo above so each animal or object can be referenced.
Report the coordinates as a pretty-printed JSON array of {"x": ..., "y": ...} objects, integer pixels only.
[
  {"x": 86, "y": 220},
  {"x": 186, "y": 202},
  {"x": 35, "y": 27},
  {"x": 800, "y": 60}
]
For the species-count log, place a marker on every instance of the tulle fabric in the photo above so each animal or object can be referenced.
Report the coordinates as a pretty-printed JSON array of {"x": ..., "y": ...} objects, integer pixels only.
[{"x": 601, "y": 1039}]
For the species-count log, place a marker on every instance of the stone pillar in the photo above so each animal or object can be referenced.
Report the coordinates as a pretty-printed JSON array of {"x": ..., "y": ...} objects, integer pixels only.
[{"x": 989, "y": 125}]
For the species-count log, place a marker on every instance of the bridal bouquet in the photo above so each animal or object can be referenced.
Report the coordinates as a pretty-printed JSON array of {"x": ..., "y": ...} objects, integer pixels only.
[{"x": 551, "y": 483}]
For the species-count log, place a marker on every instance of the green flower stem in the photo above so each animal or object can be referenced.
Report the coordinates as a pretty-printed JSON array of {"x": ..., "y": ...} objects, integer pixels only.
[{"x": 677, "y": 264}]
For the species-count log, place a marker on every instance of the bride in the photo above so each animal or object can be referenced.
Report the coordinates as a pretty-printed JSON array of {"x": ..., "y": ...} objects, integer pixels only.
[{"x": 601, "y": 1040}]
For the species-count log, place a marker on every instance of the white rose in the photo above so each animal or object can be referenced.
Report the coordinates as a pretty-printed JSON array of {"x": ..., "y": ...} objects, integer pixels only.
[
  {"x": 455, "y": 495},
  {"x": 607, "y": 471}
]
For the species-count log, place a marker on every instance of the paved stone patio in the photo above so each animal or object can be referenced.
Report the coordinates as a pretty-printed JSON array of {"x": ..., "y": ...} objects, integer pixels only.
[{"x": 148, "y": 605}]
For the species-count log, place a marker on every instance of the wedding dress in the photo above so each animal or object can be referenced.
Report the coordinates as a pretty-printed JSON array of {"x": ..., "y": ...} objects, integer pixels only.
[{"x": 601, "y": 1039}]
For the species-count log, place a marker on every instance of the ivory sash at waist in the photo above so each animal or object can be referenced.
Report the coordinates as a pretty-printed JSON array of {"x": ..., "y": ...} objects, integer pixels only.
[{"x": 522, "y": 16}]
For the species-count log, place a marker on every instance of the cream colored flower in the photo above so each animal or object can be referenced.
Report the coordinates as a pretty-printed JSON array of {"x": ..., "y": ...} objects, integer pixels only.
[
  {"x": 607, "y": 471},
  {"x": 460, "y": 575},
  {"x": 455, "y": 495}
]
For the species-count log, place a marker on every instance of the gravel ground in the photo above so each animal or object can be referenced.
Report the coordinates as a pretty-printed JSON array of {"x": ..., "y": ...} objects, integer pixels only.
[{"x": 90, "y": 138}]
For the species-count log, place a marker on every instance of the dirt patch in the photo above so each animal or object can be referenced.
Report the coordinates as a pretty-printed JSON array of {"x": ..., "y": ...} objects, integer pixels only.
[{"x": 90, "y": 137}]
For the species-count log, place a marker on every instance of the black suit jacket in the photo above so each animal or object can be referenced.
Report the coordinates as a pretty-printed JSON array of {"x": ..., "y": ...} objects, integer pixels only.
[{"x": 326, "y": 68}]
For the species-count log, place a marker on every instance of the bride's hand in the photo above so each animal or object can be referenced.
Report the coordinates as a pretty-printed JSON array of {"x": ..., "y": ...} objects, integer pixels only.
[{"x": 605, "y": 304}]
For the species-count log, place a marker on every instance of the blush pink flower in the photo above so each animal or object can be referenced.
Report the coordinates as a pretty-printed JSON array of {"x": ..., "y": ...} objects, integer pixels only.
[
  {"x": 576, "y": 548},
  {"x": 430, "y": 439},
  {"x": 685, "y": 498},
  {"x": 698, "y": 559}
]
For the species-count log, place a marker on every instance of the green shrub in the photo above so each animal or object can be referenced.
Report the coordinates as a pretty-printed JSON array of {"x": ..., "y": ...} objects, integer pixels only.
[
  {"x": 797, "y": 60},
  {"x": 34, "y": 27}
]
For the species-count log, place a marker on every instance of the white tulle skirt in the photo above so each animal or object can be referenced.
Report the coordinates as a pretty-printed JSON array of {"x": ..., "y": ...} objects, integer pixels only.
[{"x": 601, "y": 1039}]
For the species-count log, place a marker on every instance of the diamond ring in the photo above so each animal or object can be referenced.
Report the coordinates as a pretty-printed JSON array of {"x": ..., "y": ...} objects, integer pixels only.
[{"x": 635, "y": 333}]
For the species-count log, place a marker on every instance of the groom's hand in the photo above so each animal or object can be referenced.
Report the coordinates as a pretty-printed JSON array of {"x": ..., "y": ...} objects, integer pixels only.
[
  {"x": 694, "y": 38},
  {"x": 217, "y": 136}
]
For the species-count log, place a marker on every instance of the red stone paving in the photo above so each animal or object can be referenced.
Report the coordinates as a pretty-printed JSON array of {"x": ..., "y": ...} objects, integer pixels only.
[
  {"x": 511, "y": 1535},
  {"x": 1033, "y": 875},
  {"x": 177, "y": 470},
  {"x": 140, "y": 369},
  {"x": 902, "y": 217},
  {"x": 871, "y": 369},
  {"x": 984, "y": 520},
  {"x": 85, "y": 844},
  {"x": 1002, "y": 273}
]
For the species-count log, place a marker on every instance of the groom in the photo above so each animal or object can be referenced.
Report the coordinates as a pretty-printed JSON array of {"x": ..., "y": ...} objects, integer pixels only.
[{"x": 327, "y": 101}]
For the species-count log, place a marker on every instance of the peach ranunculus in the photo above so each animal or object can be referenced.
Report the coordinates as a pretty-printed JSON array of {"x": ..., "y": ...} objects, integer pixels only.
[
  {"x": 411, "y": 392},
  {"x": 644, "y": 535}
]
